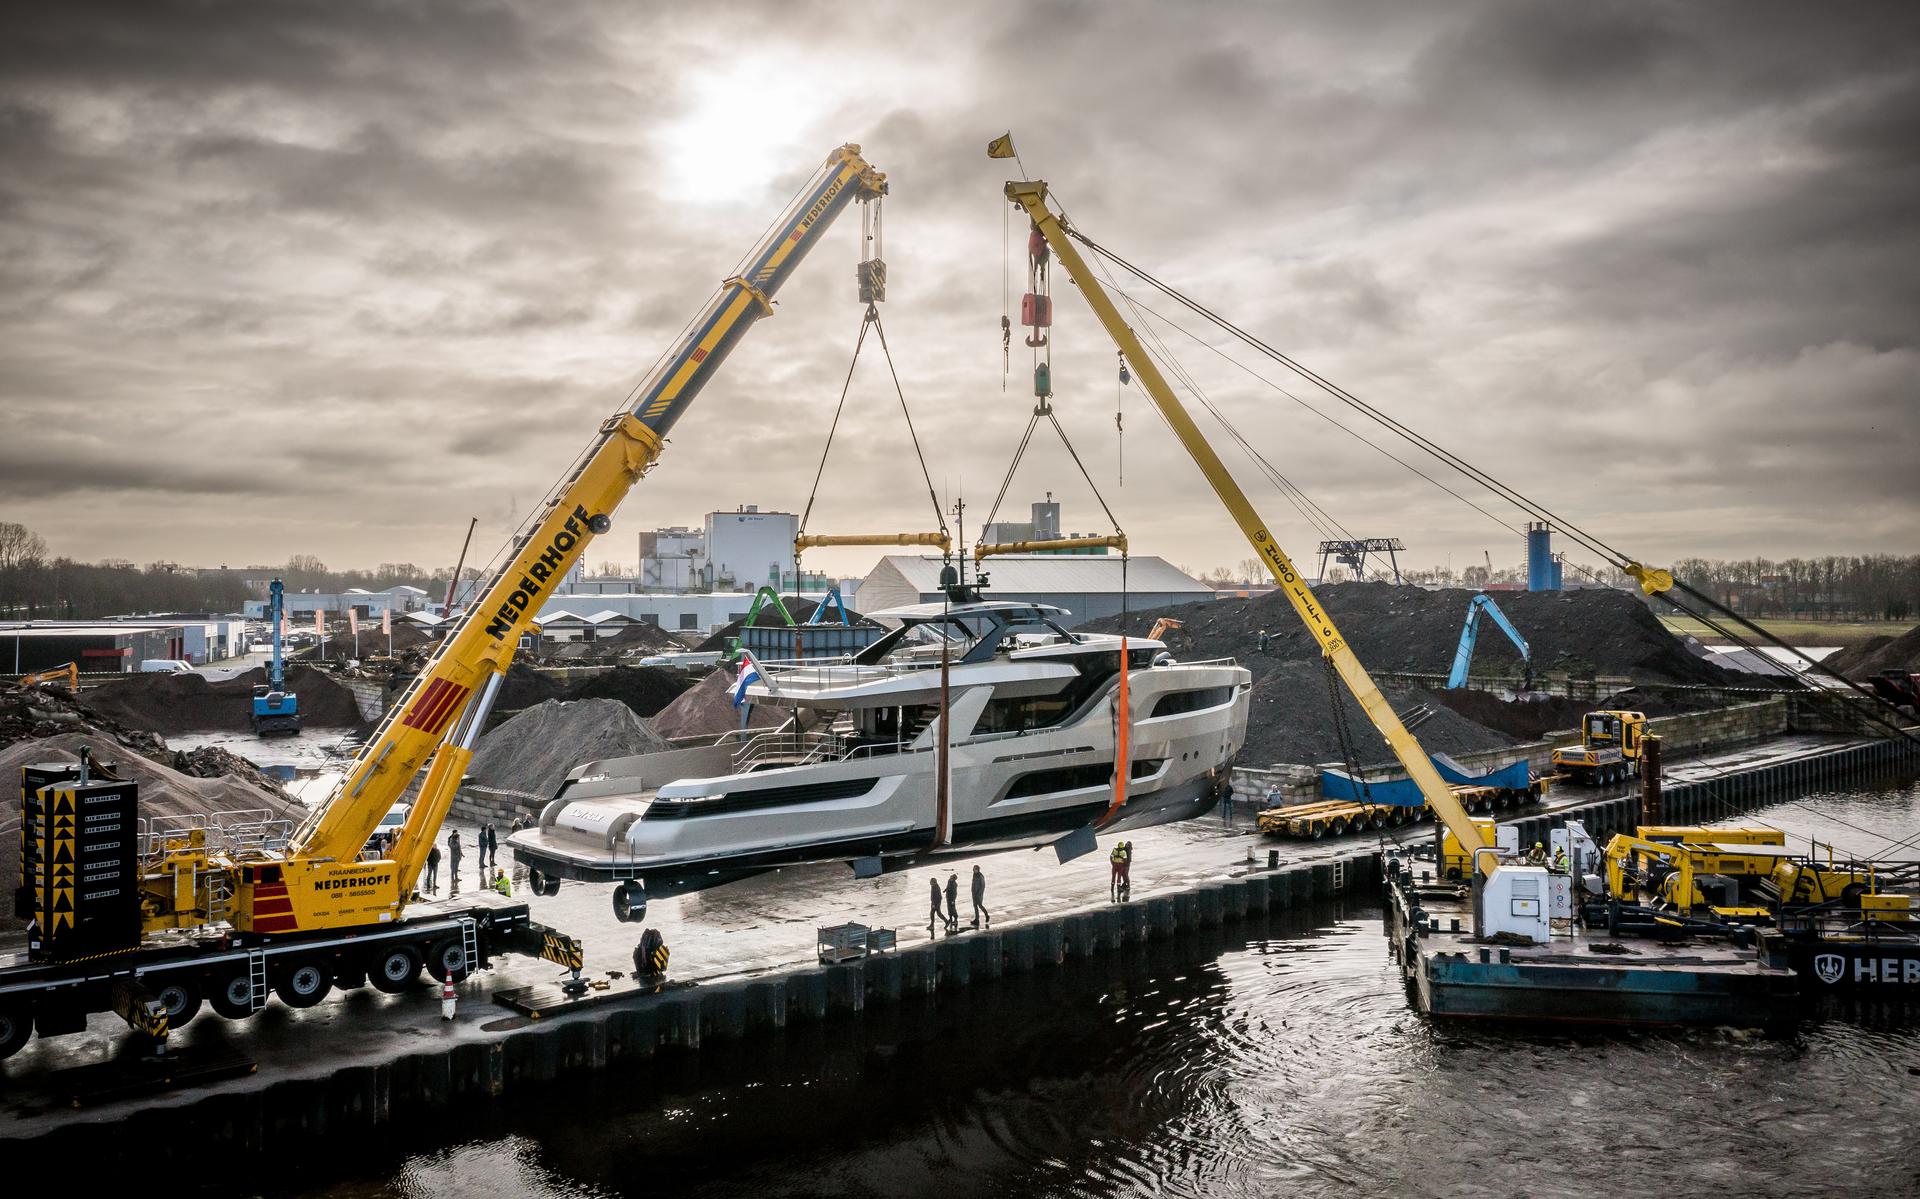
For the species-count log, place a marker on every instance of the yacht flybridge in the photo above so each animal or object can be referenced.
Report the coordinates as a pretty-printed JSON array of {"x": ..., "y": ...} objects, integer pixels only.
[{"x": 854, "y": 772}]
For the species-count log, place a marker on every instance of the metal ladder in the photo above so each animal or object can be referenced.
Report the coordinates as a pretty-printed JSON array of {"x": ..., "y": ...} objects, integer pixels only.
[
  {"x": 219, "y": 896},
  {"x": 470, "y": 944},
  {"x": 257, "y": 976},
  {"x": 1340, "y": 877}
]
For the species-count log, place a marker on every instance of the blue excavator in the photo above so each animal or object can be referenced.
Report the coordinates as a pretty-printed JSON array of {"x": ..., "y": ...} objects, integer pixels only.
[
  {"x": 276, "y": 710},
  {"x": 1470, "y": 633}
]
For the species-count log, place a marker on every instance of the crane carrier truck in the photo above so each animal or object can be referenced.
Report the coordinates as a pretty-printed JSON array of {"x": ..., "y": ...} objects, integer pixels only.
[{"x": 150, "y": 918}]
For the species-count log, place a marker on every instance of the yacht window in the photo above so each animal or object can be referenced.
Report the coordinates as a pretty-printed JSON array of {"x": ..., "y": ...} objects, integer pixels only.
[
  {"x": 1175, "y": 702},
  {"x": 1021, "y": 714}
]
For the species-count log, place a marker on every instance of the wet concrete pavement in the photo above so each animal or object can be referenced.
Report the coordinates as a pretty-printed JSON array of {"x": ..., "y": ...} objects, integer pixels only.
[{"x": 754, "y": 927}]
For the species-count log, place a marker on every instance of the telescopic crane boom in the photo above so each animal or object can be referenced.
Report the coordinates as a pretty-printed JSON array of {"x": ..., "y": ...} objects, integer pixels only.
[
  {"x": 1031, "y": 195},
  {"x": 436, "y": 722}
]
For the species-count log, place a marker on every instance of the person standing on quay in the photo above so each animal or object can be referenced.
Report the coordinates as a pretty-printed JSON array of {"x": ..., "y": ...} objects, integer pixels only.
[
  {"x": 980, "y": 899},
  {"x": 454, "y": 853},
  {"x": 953, "y": 901}
]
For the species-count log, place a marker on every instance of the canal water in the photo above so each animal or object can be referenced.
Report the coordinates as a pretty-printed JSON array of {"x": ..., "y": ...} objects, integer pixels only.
[{"x": 1279, "y": 1057}]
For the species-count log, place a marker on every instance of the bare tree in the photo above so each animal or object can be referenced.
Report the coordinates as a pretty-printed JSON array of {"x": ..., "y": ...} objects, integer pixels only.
[{"x": 20, "y": 546}]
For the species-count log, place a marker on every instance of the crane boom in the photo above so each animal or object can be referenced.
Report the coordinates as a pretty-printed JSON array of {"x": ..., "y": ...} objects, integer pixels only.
[
  {"x": 437, "y": 721},
  {"x": 1031, "y": 195}
]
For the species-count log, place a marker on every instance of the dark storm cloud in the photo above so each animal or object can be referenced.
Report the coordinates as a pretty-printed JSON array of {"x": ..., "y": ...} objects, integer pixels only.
[{"x": 398, "y": 259}]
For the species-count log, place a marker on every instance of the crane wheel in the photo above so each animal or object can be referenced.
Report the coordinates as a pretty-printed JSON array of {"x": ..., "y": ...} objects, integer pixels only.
[
  {"x": 181, "y": 999},
  {"x": 537, "y": 881},
  {"x": 394, "y": 970},
  {"x": 447, "y": 960},
  {"x": 629, "y": 903},
  {"x": 232, "y": 996},
  {"x": 550, "y": 887},
  {"x": 303, "y": 985},
  {"x": 16, "y": 1026}
]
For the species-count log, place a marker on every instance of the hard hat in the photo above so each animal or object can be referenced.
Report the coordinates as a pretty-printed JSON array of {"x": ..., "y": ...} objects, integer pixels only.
[{"x": 1537, "y": 845}]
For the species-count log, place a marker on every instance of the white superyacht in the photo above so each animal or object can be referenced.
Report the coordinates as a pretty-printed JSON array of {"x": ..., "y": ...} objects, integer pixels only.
[{"x": 852, "y": 775}]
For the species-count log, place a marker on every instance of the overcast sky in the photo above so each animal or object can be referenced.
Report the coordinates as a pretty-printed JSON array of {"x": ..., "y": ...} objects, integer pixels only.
[{"x": 329, "y": 278}]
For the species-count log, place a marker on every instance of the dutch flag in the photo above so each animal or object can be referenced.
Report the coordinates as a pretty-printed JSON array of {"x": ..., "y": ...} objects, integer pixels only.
[{"x": 749, "y": 674}]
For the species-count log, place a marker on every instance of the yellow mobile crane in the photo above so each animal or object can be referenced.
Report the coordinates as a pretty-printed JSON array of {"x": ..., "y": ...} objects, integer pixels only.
[
  {"x": 1032, "y": 197},
  {"x": 226, "y": 910}
]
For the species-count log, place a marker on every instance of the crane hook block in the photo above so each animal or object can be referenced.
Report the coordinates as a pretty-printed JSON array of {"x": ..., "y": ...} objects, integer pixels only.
[
  {"x": 1042, "y": 381},
  {"x": 1036, "y": 311},
  {"x": 872, "y": 277},
  {"x": 1036, "y": 339},
  {"x": 1036, "y": 246}
]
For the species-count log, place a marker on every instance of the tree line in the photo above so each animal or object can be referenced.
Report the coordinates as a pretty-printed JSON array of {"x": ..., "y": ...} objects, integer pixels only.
[
  {"x": 36, "y": 584},
  {"x": 1835, "y": 587}
]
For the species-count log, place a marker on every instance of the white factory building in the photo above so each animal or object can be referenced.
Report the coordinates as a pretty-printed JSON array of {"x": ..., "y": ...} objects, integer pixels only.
[
  {"x": 1088, "y": 587},
  {"x": 397, "y": 600}
]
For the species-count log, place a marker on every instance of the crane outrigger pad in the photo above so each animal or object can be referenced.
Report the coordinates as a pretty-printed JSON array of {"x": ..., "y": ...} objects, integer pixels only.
[{"x": 545, "y": 1000}]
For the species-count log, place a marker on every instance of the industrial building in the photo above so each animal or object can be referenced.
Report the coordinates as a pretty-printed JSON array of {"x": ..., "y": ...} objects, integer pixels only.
[
  {"x": 697, "y": 612},
  {"x": 397, "y": 600},
  {"x": 1089, "y": 588},
  {"x": 97, "y": 647}
]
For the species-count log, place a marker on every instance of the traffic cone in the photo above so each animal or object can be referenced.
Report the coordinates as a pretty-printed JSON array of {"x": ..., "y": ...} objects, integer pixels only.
[{"x": 447, "y": 1000}]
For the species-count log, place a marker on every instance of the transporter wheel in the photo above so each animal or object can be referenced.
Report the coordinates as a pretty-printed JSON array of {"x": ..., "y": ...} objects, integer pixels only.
[
  {"x": 181, "y": 999},
  {"x": 16, "y": 1026},
  {"x": 232, "y": 995},
  {"x": 447, "y": 960},
  {"x": 303, "y": 984},
  {"x": 393, "y": 970},
  {"x": 629, "y": 903}
]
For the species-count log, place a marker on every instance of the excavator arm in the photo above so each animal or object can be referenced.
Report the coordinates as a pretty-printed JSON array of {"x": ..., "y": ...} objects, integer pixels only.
[
  {"x": 1031, "y": 195},
  {"x": 1470, "y": 636},
  {"x": 437, "y": 721}
]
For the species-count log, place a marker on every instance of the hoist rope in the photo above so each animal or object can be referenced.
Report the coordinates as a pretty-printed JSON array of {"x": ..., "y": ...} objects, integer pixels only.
[
  {"x": 845, "y": 386},
  {"x": 925, "y": 474},
  {"x": 871, "y": 319}
]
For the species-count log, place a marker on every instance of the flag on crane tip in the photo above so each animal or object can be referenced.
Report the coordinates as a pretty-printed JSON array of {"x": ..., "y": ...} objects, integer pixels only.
[
  {"x": 1002, "y": 146},
  {"x": 749, "y": 674}
]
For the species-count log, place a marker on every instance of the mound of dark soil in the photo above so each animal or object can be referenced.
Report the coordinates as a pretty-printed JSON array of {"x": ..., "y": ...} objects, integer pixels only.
[
  {"x": 189, "y": 703},
  {"x": 645, "y": 689},
  {"x": 1876, "y": 654},
  {"x": 524, "y": 687},
  {"x": 1411, "y": 629},
  {"x": 1291, "y": 719}
]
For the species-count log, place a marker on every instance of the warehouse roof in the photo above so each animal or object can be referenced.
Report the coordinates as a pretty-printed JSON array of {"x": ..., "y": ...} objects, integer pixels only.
[{"x": 1056, "y": 573}]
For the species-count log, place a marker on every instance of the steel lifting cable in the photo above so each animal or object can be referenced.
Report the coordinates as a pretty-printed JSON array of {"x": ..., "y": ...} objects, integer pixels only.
[
  {"x": 845, "y": 386},
  {"x": 871, "y": 319},
  {"x": 881, "y": 329}
]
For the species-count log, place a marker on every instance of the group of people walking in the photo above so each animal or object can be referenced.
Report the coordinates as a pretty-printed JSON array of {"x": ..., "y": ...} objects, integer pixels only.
[{"x": 951, "y": 918}]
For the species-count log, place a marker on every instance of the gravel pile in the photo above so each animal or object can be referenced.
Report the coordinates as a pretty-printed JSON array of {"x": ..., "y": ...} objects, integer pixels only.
[
  {"x": 1876, "y": 654},
  {"x": 645, "y": 689},
  {"x": 707, "y": 708},
  {"x": 533, "y": 751},
  {"x": 189, "y": 703}
]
